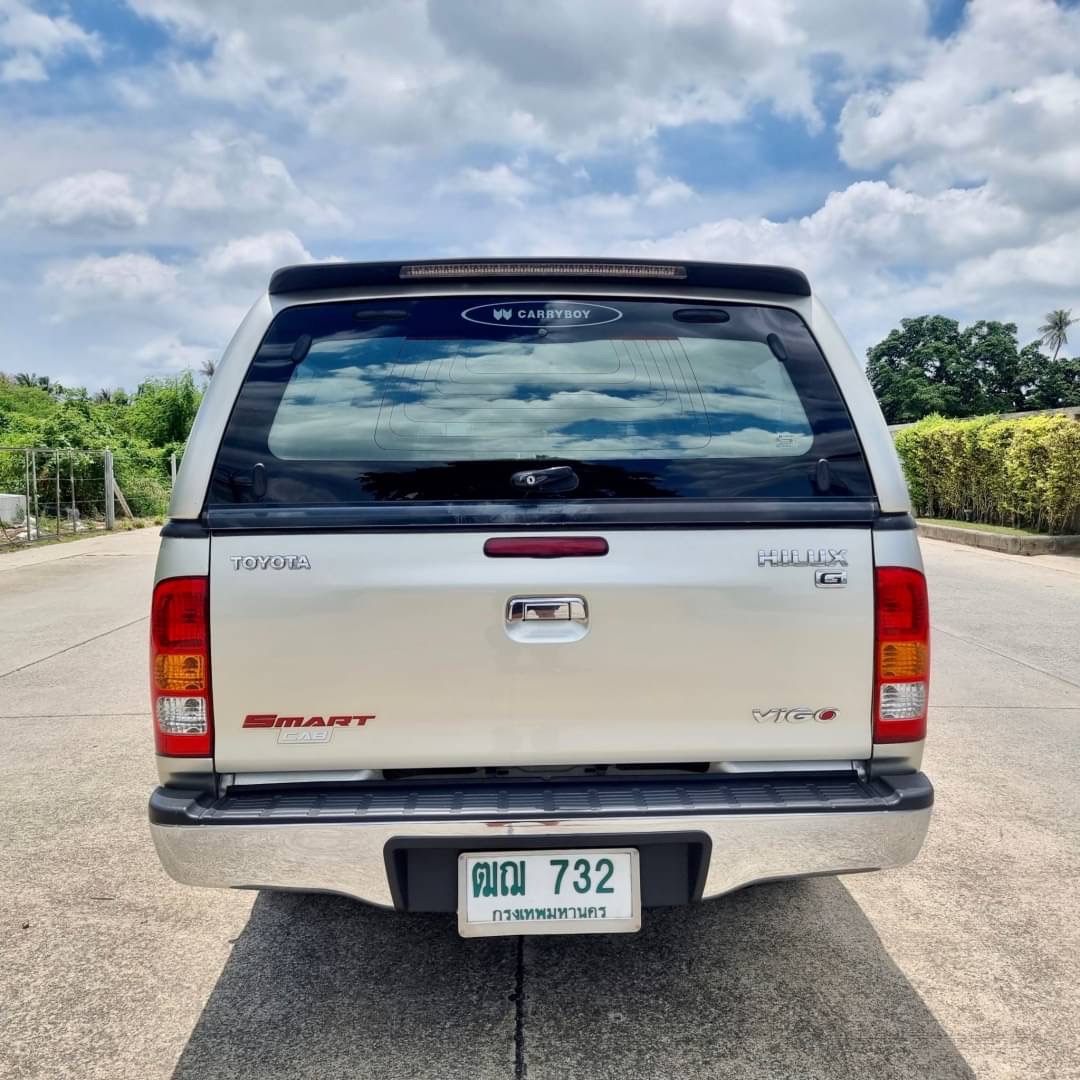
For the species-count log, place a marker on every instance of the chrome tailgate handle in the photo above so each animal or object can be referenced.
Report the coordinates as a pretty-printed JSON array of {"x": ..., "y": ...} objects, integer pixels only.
[{"x": 547, "y": 609}]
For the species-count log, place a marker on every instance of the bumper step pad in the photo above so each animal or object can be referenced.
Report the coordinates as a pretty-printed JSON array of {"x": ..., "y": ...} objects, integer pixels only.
[{"x": 482, "y": 801}]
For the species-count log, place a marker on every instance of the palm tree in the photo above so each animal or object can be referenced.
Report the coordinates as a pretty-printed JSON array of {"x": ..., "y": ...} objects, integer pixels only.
[
  {"x": 1055, "y": 331},
  {"x": 42, "y": 382},
  {"x": 207, "y": 368}
]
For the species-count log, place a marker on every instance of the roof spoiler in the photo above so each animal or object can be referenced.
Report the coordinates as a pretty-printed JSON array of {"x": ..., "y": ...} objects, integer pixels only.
[{"x": 313, "y": 277}]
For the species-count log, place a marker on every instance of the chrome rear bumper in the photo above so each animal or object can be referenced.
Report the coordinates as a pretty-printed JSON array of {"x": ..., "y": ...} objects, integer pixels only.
[{"x": 337, "y": 842}]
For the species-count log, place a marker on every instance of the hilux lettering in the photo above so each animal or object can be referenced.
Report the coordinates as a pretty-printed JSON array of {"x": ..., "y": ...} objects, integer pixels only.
[{"x": 802, "y": 557}]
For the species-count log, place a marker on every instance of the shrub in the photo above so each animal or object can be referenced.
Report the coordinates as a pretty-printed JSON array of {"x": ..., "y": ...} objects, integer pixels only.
[{"x": 1024, "y": 473}]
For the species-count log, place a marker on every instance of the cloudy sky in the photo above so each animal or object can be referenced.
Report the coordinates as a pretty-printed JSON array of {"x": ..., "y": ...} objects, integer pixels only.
[{"x": 160, "y": 157}]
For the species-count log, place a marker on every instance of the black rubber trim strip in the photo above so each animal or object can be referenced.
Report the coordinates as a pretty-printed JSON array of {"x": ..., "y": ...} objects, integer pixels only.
[
  {"x": 185, "y": 530},
  {"x": 536, "y": 800},
  {"x": 422, "y": 871},
  {"x": 895, "y": 523},
  {"x": 317, "y": 277},
  {"x": 549, "y": 514}
]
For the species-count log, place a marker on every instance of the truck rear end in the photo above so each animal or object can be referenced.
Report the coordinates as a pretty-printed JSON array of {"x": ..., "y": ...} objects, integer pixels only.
[{"x": 538, "y": 591}]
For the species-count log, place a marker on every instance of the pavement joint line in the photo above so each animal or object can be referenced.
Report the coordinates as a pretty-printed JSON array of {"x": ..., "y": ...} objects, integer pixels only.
[
  {"x": 44, "y": 562},
  {"x": 70, "y": 716},
  {"x": 1010, "y": 708},
  {"x": 77, "y": 645},
  {"x": 1004, "y": 655},
  {"x": 74, "y": 555},
  {"x": 521, "y": 1067}
]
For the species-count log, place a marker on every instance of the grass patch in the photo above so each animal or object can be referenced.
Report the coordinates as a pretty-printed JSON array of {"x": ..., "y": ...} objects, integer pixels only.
[{"x": 980, "y": 526}]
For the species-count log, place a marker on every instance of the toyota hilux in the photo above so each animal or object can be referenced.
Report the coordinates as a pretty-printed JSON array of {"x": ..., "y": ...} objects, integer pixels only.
[{"x": 542, "y": 592}]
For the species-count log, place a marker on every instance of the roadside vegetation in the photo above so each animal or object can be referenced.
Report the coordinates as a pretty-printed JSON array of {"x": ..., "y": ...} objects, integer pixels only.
[
  {"x": 1019, "y": 473},
  {"x": 142, "y": 429},
  {"x": 932, "y": 365}
]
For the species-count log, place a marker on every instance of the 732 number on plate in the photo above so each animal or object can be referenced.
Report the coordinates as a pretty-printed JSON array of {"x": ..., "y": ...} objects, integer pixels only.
[{"x": 586, "y": 876}]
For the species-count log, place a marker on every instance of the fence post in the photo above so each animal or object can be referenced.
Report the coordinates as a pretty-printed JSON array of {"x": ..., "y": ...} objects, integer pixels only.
[
  {"x": 37, "y": 515},
  {"x": 172, "y": 467},
  {"x": 57, "y": 494},
  {"x": 26, "y": 507},
  {"x": 110, "y": 492}
]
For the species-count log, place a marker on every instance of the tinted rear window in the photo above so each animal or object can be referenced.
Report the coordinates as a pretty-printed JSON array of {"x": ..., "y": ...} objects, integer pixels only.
[{"x": 452, "y": 398}]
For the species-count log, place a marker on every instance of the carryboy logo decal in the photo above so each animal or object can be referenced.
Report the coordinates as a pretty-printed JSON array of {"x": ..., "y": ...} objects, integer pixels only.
[{"x": 529, "y": 314}]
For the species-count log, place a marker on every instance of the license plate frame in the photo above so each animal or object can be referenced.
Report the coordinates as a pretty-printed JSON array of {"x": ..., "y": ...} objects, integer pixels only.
[{"x": 622, "y": 924}]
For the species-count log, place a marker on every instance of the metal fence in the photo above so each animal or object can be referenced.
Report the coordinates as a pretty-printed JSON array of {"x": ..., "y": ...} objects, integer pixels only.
[{"x": 47, "y": 494}]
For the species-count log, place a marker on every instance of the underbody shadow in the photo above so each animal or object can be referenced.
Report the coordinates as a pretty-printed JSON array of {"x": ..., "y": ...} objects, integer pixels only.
[
  {"x": 778, "y": 981},
  {"x": 783, "y": 980}
]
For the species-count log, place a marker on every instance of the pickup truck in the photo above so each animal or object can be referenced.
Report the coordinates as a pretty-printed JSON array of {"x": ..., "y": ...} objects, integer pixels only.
[{"x": 538, "y": 591}]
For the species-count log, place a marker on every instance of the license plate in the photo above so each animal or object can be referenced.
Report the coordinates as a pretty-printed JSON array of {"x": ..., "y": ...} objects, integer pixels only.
[{"x": 549, "y": 892}]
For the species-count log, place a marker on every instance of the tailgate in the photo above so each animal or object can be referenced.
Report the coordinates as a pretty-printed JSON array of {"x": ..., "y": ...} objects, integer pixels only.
[
  {"x": 387, "y": 650},
  {"x": 375, "y": 445}
]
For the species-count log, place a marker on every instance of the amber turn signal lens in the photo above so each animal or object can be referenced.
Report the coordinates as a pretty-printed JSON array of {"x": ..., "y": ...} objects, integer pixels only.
[
  {"x": 902, "y": 659},
  {"x": 179, "y": 671}
]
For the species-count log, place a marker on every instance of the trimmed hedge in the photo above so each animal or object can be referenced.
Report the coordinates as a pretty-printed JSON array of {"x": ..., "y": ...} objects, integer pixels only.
[{"x": 1024, "y": 473}]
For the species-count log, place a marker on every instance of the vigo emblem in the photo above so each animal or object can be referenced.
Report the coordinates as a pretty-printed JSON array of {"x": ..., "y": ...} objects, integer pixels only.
[{"x": 779, "y": 715}]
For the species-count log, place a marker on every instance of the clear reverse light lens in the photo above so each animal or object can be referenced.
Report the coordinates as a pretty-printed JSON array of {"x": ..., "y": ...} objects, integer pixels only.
[
  {"x": 482, "y": 269},
  {"x": 182, "y": 715},
  {"x": 902, "y": 701}
]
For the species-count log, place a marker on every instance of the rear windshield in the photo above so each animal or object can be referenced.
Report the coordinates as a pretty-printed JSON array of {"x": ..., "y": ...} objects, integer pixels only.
[{"x": 466, "y": 398}]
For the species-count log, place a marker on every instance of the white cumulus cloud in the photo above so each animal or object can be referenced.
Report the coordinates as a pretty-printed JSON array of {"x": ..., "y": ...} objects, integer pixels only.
[
  {"x": 997, "y": 103},
  {"x": 252, "y": 258},
  {"x": 568, "y": 77},
  {"x": 30, "y": 39},
  {"x": 130, "y": 277},
  {"x": 500, "y": 182},
  {"x": 99, "y": 199}
]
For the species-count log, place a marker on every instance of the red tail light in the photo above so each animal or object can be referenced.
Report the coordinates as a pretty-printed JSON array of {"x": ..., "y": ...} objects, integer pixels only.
[
  {"x": 901, "y": 655},
  {"x": 180, "y": 668},
  {"x": 545, "y": 547}
]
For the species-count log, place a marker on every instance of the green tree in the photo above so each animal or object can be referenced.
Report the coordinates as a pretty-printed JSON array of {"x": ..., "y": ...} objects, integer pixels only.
[
  {"x": 162, "y": 410},
  {"x": 1052, "y": 383},
  {"x": 992, "y": 349},
  {"x": 931, "y": 365},
  {"x": 42, "y": 382},
  {"x": 921, "y": 369},
  {"x": 18, "y": 399},
  {"x": 1055, "y": 331}
]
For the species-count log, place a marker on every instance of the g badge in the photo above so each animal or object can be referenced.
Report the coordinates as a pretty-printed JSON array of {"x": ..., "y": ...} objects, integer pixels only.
[{"x": 830, "y": 579}]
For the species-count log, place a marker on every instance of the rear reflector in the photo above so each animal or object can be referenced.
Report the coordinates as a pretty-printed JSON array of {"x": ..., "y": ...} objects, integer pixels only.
[
  {"x": 901, "y": 655},
  {"x": 545, "y": 547},
  {"x": 180, "y": 667},
  {"x": 543, "y": 269}
]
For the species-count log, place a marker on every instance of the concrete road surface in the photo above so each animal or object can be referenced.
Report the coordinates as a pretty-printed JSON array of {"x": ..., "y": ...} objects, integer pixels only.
[{"x": 962, "y": 965}]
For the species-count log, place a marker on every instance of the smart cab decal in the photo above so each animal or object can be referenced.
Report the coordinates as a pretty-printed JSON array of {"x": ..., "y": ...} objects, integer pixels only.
[
  {"x": 530, "y": 314},
  {"x": 305, "y": 730}
]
